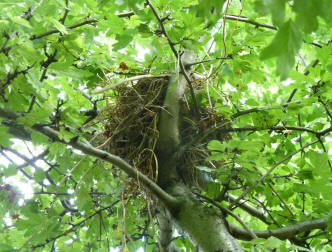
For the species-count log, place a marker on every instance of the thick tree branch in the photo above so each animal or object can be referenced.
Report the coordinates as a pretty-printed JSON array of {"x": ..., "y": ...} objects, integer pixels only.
[
  {"x": 281, "y": 233},
  {"x": 197, "y": 220},
  {"x": 100, "y": 154},
  {"x": 165, "y": 236}
]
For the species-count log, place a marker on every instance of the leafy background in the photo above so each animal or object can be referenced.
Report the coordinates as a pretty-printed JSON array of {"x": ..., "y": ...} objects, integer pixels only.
[{"x": 52, "y": 53}]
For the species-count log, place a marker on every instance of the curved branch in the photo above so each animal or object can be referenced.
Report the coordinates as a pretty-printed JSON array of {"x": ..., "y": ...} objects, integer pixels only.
[
  {"x": 281, "y": 233},
  {"x": 100, "y": 154}
]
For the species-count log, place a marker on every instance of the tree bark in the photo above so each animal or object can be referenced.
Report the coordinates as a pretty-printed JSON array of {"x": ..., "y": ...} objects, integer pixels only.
[{"x": 204, "y": 226}]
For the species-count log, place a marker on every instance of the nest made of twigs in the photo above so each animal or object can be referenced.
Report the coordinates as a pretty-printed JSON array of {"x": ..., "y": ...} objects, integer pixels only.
[{"x": 131, "y": 125}]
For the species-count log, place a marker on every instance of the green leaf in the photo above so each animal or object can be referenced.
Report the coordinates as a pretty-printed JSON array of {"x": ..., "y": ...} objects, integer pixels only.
[
  {"x": 273, "y": 242},
  {"x": 11, "y": 170},
  {"x": 83, "y": 201},
  {"x": 115, "y": 24},
  {"x": 284, "y": 46},
  {"x": 19, "y": 20},
  {"x": 319, "y": 163},
  {"x": 65, "y": 135},
  {"x": 4, "y": 136},
  {"x": 216, "y": 145},
  {"x": 38, "y": 138},
  {"x": 60, "y": 27},
  {"x": 204, "y": 168},
  {"x": 39, "y": 175},
  {"x": 314, "y": 7},
  {"x": 276, "y": 8}
]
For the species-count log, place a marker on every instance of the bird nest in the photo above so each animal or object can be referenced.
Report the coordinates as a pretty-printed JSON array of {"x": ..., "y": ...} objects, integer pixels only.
[{"x": 131, "y": 125}]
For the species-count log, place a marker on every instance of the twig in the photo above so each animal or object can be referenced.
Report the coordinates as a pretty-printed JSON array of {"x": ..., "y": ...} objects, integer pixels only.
[
  {"x": 276, "y": 128},
  {"x": 91, "y": 21},
  {"x": 328, "y": 113},
  {"x": 126, "y": 14},
  {"x": 209, "y": 60},
  {"x": 269, "y": 172},
  {"x": 163, "y": 30},
  {"x": 63, "y": 19},
  {"x": 8, "y": 37},
  {"x": 72, "y": 229},
  {"x": 246, "y": 20},
  {"x": 192, "y": 93},
  {"x": 281, "y": 200}
]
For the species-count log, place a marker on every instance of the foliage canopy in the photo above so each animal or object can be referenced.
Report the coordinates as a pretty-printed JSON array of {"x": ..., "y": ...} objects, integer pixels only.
[{"x": 84, "y": 124}]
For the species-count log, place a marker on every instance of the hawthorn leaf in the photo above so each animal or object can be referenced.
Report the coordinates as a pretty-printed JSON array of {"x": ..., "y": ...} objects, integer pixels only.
[{"x": 285, "y": 47}]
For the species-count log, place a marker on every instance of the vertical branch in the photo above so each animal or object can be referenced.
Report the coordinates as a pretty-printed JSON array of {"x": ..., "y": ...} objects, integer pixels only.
[{"x": 183, "y": 63}]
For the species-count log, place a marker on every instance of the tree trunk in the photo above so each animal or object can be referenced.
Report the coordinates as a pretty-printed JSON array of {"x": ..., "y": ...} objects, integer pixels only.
[{"x": 205, "y": 226}]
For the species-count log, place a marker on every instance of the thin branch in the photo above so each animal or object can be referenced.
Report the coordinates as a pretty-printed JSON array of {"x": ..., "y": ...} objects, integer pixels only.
[
  {"x": 18, "y": 167},
  {"x": 328, "y": 113},
  {"x": 163, "y": 30},
  {"x": 91, "y": 21},
  {"x": 281, "y": 233},
  {"x": 277, "y": 128},
  {"x": 63, "y": 19},
  {"x": 209, "y": 60},
  {"x": 246, "y": 20},
  {"x": 8, "y": 37},
  {"x": 100, "y": 154},
  {"x": 281, "y": 200},
  {"x": 266, "y": 210},
  {"x": 269, "y": 172},
  {"x": 177, "y": 56},
  {"x": 323, "y": 132},
  {"x": 126, "y": 14},
  {"x": 73, "y": 228}
]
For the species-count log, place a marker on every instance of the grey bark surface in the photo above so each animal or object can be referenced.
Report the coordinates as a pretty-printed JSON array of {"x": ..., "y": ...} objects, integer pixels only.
[{"x": 204, "y": 225}]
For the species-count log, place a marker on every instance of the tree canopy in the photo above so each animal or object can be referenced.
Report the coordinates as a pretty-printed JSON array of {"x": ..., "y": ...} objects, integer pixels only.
[{"x": 165, "y": 125}]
